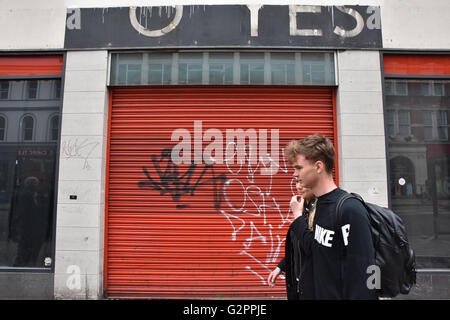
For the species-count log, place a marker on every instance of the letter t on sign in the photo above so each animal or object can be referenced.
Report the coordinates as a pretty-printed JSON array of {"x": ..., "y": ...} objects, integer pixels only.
[
  {"x": 254, "y": 12},
  {"x": 293, "y": 30}
]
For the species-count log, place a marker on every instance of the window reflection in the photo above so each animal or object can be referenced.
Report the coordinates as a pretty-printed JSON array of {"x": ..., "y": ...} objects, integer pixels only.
[
  {"x": 2, "y": 128},
  {"x": 29, "y": 129},
  {"x": 54, "y": 128},
  {"x": 190, "y": 68},
  {"x": 252, "y": 68},
  {"x": 4, "y": 89},
  {"x": 159, "y": 68},
  {"x": 419, "y": 161},
  {"x": 32, "y": 89},
  {"x": 317, "y": 69},
  {"x": 283, "y": 68},
  {"x": 126, "y": 68},
  {"x": 223, "y": 68}
]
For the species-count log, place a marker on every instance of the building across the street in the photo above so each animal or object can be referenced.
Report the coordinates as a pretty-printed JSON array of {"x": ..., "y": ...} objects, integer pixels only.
[{"x": 142, "y": 147}]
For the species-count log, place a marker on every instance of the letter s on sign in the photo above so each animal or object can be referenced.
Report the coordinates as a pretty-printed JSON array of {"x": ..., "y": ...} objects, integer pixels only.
[
  {"x": 359, "y": 23},
  {"x": 156, "y": 33}
]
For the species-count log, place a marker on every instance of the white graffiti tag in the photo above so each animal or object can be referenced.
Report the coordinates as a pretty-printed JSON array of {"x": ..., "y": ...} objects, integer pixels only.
[
  {"x": 253, "y": 210},
  {"x": 79, "y": 149}
]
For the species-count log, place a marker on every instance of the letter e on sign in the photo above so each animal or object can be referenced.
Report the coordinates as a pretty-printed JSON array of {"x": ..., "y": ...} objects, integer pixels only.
[{"x": 293, "y": 28}]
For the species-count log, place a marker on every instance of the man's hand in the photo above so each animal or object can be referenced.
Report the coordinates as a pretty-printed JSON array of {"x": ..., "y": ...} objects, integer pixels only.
[
  {"x": 297, "y": 206},
  {"x": 273, "y": 276}
]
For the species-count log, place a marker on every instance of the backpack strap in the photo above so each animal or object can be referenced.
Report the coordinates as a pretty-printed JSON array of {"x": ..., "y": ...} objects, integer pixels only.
[
  {"x": 337, "y": 212},
  {"x": 340, "y": 202}
]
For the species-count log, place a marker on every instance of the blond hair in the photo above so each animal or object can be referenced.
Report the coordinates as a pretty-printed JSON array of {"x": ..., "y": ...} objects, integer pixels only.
[
  {"x": 315, "y": 147},
  {"x": 311, "y": 216}
]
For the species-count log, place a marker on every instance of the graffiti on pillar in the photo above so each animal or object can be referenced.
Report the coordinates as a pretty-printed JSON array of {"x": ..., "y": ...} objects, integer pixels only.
[{"x": 74, "y": 148}]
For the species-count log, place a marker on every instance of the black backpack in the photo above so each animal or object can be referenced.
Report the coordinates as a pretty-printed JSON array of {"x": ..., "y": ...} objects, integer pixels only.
[{"x": 393, "y": 254}]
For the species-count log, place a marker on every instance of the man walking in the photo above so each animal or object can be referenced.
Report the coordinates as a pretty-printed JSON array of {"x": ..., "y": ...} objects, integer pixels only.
[{"x": 341, "y": 252}]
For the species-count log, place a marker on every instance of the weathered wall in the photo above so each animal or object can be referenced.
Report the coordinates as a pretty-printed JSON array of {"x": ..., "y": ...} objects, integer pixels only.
[
  {"x": 406, "y": 24},
  {"x": 80, "y": 222}
]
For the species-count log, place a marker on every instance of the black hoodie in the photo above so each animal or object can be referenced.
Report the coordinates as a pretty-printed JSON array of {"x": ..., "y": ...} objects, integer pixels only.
[
  {"x": 340, "y": 254},
  {"x": 297, "y": 263}
]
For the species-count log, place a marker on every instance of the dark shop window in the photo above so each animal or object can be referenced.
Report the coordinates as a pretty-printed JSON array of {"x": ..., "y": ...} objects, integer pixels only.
[
  {"x": 54, "y": 128},
  {"x": 27, "y": 173},
  {"x": 2, "y": 128},
  {"x": 417, "y": 119},
  {"x": 32, "y": 89},
  {"x": 4, "y": 89}
]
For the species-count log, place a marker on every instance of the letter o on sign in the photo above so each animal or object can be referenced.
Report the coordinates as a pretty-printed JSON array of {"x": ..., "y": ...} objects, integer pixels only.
[{"x": 156, "y": 33}]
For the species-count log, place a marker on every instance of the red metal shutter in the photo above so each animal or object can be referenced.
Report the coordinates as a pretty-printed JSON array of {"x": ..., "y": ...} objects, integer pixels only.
[
  {"x": 31, "y": 65},
  {"x": 201, "y": 230},
  {"x": 402, "y": 64}
]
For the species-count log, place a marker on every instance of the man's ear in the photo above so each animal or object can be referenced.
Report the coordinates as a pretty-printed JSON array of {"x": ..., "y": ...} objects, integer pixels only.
[{"x": 320, "y": 166}]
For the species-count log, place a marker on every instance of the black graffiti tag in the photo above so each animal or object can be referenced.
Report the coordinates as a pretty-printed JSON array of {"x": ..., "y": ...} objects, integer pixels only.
[{"x": 171, "y": 181}]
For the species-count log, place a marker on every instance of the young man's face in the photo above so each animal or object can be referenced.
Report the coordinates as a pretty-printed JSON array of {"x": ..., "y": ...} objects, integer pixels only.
[{"x": 305, "y": 172}]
